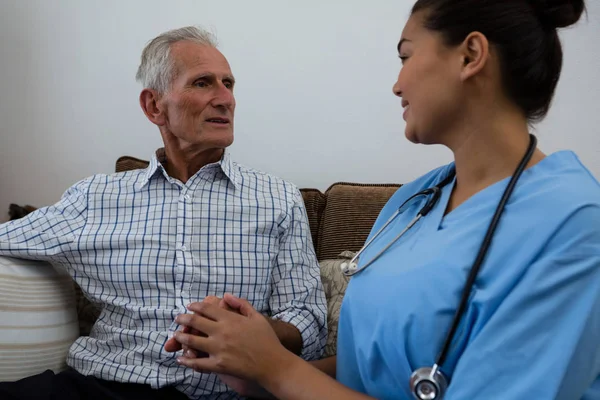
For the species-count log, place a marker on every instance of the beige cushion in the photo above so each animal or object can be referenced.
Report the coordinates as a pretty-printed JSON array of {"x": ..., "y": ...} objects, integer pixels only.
[
  {"x": 334, "y": 285},
  {"x": 38, "y": 320}
]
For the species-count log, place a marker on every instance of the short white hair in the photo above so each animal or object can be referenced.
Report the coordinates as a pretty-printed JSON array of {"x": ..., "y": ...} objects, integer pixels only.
[{"x": 156, "y": 70}]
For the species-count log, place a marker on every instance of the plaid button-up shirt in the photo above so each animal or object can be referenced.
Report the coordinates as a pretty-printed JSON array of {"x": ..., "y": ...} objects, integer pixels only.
[{"x": 143, "y": 245}]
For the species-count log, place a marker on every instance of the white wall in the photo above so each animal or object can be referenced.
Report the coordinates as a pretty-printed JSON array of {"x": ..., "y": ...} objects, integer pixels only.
[{"x": 314, "y": 95}]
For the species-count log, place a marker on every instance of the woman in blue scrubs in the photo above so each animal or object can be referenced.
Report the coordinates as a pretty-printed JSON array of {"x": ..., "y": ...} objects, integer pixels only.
[{"x": 475, "y": 75}]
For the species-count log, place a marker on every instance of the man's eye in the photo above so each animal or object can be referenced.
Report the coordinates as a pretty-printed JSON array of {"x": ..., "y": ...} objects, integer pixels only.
[
  {"x": 201, "y": 84},
  {"x": 228, "y": 85}
]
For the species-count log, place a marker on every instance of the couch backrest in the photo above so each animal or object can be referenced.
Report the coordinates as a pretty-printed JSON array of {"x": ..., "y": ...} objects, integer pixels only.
[
  {"x": 340, "y": 219},
  {"x": 348, "y": 216}
]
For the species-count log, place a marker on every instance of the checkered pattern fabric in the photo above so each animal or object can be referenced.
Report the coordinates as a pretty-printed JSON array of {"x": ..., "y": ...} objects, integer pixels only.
[{"x": 143, "y": 245}]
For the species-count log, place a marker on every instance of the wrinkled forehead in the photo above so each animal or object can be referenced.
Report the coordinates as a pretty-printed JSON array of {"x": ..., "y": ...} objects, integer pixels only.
[{"x": 191, "y": 58}]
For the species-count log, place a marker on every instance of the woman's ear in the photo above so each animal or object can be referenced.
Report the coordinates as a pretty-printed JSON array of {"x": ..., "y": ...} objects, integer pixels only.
[
  {"x": 149, "y": 101},
  {"x": 475, "y": 53}
]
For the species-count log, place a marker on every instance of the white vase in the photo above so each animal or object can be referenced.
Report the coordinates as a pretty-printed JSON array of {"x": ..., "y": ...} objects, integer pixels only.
[{"x": 38, "y": 318}]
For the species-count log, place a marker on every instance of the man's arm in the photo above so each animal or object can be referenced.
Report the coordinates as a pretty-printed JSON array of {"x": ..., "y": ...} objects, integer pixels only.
[
  {"x": 47, "y": 233},
  {"x": 327, "y": 365},
  {"x": 288, "y": 335},
  {"x": 297, "y": 297}
]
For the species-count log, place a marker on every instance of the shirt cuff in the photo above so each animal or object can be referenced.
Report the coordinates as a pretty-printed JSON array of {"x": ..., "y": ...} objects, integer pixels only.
[{"x": 314, "y": 336}]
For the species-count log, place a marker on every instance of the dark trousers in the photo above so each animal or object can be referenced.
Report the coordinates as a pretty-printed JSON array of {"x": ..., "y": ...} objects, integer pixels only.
[{"x": 71, "y": 385}]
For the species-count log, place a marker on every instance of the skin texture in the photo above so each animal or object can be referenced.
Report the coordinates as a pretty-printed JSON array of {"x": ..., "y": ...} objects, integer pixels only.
[{"x": 201, "y": 91}]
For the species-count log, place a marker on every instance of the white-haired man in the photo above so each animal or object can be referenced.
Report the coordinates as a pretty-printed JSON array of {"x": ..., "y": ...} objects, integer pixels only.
[{"x": 144, "y": 244}]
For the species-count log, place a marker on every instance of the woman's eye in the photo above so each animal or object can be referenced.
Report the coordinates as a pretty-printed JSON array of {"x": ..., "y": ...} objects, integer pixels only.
[{"x": 403, "y": 59}]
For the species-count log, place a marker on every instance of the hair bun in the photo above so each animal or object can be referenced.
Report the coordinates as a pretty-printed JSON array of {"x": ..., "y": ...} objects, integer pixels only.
[{"x": 558, "y": 13}]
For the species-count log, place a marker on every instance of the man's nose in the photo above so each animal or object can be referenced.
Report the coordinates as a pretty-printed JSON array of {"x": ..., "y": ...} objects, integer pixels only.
[{"x": 223, "y": 97}]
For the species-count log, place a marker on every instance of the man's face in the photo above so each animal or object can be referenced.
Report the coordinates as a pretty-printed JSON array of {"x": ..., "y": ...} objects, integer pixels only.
[{"x": 199, "y": 106}]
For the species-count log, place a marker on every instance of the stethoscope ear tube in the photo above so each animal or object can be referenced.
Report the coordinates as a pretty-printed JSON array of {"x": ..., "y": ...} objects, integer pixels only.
[
  {"x": 431, "y": 383},
  {"x": 487, "y": 241}
]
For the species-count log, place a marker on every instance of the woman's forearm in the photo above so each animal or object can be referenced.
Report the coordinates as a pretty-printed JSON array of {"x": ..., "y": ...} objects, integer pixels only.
[{"x": 295, "y": 379}]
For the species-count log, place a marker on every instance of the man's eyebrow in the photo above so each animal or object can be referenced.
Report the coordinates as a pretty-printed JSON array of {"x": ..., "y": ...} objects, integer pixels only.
[
  {"x": 210, "y": 75},
  {"x": 401, "y": 42},
  {"x": 203, "y": 75}
]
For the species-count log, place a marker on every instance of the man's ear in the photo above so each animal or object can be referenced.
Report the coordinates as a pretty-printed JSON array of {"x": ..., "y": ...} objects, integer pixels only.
[
  {"x": 476, "y": 53},
  {"x": 149, "y": 101}
]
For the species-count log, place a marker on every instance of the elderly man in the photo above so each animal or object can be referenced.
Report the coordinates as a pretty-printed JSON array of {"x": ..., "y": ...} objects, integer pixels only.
[{"x": 144, "y": 244}]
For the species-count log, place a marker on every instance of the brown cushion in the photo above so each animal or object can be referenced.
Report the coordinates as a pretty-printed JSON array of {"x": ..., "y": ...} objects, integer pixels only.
[
  {"x": 127, "y": 163},
  {"x": 350, "y": 211},
  {"x": 15, "y": 211},
  {"x": 314, "y": 201}
]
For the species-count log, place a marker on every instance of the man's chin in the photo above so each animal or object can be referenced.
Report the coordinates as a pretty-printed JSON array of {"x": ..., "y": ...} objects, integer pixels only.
[{"x": 221, "y": 141}]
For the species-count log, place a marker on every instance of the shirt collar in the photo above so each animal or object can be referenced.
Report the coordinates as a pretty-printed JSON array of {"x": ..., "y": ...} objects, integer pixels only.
[
  {"x": 226, "y": 165},
  {"x": 229, "y": 169}
]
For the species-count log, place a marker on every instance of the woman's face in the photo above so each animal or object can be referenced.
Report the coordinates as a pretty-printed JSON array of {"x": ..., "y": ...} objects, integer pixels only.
[{"x": 428, "y": 83}]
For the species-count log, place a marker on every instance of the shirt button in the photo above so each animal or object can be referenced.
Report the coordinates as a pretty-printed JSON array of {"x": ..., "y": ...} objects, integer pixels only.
[
  {"x": 182, "y": 248},
  {"x": 187, "y": 197}
]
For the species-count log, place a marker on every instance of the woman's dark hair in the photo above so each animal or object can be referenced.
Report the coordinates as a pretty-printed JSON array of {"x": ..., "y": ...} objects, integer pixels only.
[{"x": 524, "y": 32}]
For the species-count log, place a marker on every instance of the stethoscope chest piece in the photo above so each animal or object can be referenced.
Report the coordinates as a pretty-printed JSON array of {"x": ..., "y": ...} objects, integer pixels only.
[{"x": 428, "y": 383}]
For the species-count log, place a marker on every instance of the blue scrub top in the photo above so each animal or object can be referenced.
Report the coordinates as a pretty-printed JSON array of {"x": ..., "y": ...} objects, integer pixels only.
[{"x": 532, "y": 326}]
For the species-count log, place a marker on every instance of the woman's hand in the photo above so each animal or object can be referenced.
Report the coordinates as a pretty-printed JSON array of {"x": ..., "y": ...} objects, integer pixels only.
[
  {"x": 243, "y": 345},
  {"x": 173, "y": 345},
  {"x": 243, "y": 387}
]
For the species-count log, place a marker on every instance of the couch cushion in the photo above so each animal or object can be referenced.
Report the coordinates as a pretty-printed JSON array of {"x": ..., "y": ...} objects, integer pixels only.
[
  {"x": 87, "y": 312},
  {"x": 38, "y": 321},
  {"x": 350, "y": 212},
  {"x": 314, "y": 201},
  {"x": 128, "y": 163},
  {"x": 334, "y": 286}
]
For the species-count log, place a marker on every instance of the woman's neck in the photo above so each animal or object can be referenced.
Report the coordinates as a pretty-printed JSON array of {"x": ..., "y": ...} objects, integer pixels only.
[{"x": 487, "y": 151}]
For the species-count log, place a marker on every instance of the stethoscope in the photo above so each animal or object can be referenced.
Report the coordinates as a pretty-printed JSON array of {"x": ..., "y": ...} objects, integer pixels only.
[{"x": 429, "y": 383}]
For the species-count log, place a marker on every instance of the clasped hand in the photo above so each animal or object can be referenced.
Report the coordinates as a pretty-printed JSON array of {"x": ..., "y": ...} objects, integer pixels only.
[{"x": 228, "y": 337}]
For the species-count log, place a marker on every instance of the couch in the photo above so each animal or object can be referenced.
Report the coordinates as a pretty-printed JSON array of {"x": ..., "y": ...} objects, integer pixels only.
[{"x": 340, "y": 220}]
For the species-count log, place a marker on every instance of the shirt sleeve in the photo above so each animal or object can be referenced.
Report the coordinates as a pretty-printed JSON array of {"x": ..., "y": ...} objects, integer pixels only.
[
  {"x": 297, "y": 297},
  {"x": 542, "y": 341},
  {"x": 47, "y": 233}
]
